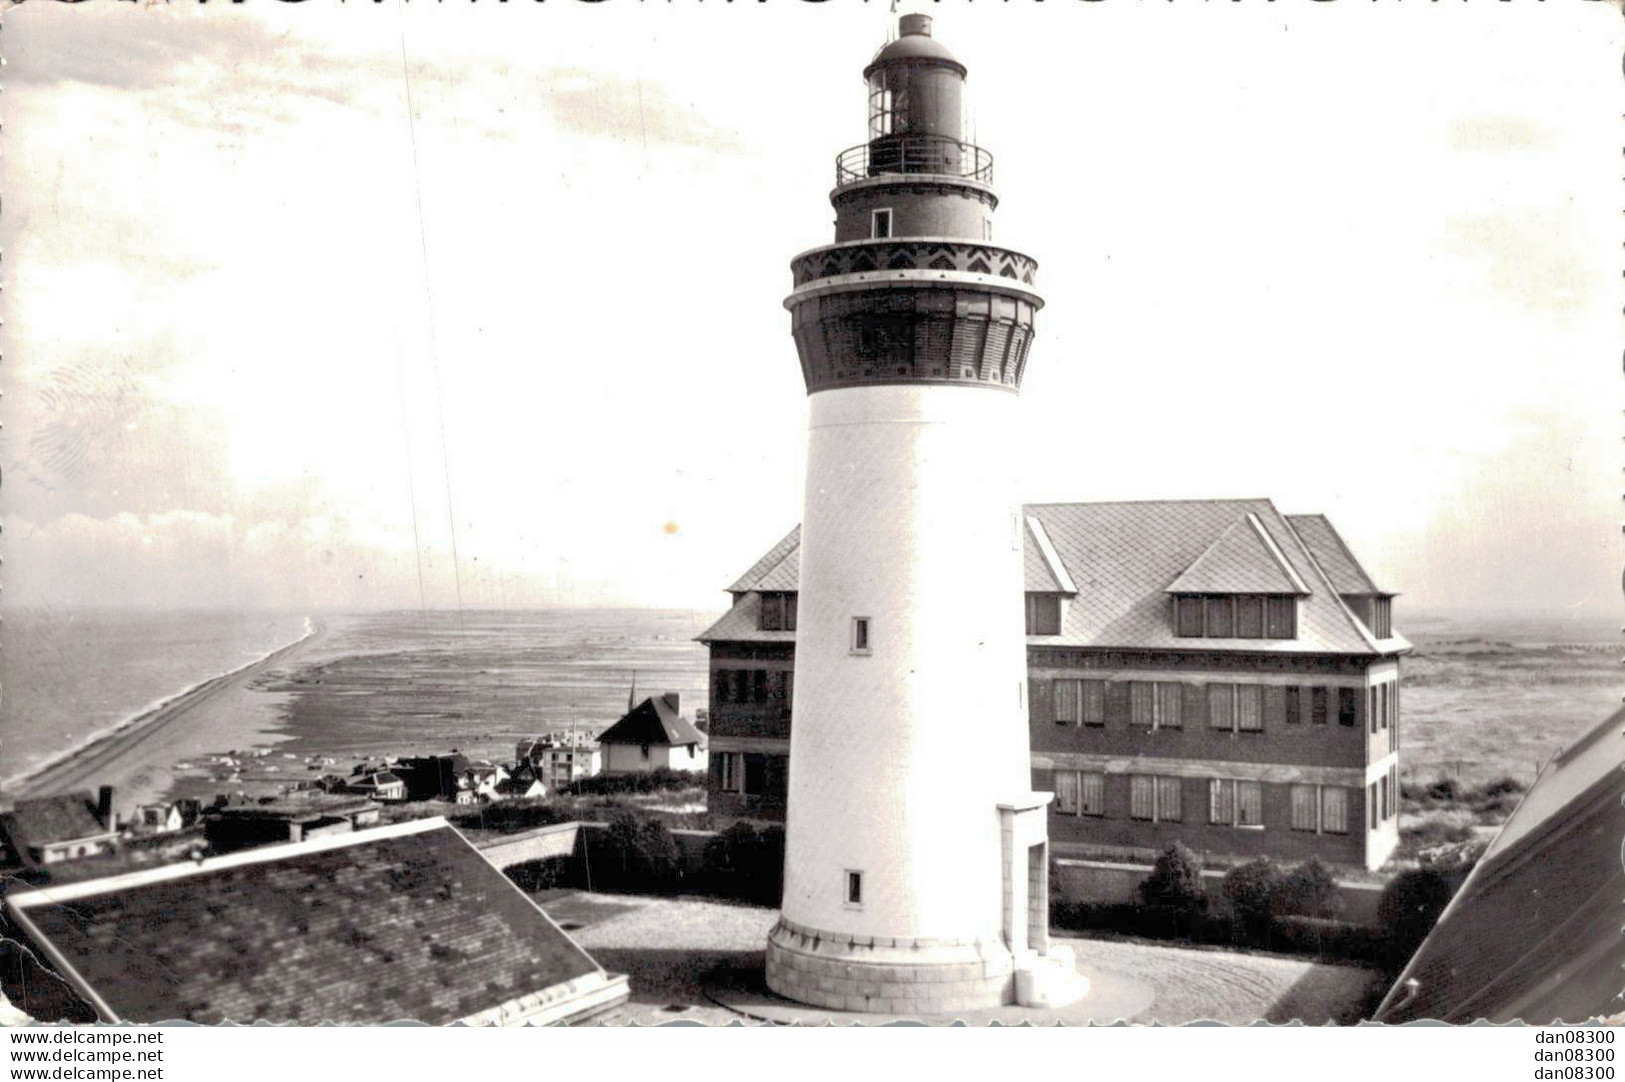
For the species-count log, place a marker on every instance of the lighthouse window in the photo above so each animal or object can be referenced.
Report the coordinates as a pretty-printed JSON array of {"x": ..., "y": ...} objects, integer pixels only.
[
  {"x": 854, "y": 888},
  {"x": 860, "y": 634},
  {"x": 880, "y": 223}
]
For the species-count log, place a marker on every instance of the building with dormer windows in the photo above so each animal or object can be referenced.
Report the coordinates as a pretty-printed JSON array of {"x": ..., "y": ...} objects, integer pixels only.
[{"x": 1208, "y": 671}]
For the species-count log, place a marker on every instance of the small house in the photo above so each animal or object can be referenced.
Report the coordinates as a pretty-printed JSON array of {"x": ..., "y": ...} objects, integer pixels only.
[
  {"x": 49, "y": 830},
  {"x": 292, "y": 817},
  {"x": 652, "y": 735},
  {"x": 381, "y": 785}
]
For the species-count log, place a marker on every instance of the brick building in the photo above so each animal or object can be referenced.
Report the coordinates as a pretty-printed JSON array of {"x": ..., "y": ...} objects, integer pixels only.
[{"x": 1210, "y": 671}]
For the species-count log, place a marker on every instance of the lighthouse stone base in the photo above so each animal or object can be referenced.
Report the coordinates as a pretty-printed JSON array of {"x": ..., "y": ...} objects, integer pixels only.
[{"x": 879, "y": 975}]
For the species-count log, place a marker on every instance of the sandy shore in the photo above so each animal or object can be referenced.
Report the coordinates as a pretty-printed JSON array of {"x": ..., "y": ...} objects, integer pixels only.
[{"x": 139, "y": 759}]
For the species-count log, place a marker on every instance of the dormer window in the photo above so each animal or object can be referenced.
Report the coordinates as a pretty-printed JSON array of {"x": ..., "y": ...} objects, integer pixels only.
[
  {"x": 778, "y": 612},
  {"x": 1231, "y": 616},
  {"x": 1043, "y": 614},
  {"x": 1375, "y": 611}
]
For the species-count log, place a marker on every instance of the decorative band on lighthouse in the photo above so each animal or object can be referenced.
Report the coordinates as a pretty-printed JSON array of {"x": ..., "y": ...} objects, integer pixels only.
[{"x": 916, "y": 853}]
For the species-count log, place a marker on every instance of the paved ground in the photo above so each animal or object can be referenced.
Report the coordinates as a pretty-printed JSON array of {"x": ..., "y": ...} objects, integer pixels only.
[{"x": 683, "y": 955}]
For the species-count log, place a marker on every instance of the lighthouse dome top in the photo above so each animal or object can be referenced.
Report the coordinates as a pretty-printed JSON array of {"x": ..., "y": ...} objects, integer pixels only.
[{"x": 914, "y": 42}]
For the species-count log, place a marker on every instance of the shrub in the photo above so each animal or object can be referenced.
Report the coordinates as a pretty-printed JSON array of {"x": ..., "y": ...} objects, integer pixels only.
[
  {"x": 1506, "y": 785},
  {"x": 1175, "y": 884},
  {"x": 660, "y": 780},
  {"x": 638, "y": 854},
  {"x": 1250, "y": 889},
  {"x": 1305, "y": 891},
  {"x": 1444, "y": 789},
  {"x": 747, "y": 863},
  {"x": 1410, "y": 905}
]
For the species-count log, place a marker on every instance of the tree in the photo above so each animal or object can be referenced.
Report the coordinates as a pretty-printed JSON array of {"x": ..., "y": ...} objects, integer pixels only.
[
  {"x": 1305, "y": 891},
  {"x": 1250, "y": 889},
  {"x": 1410, "y": 905},
  {"x": 1175, "y": 883}
]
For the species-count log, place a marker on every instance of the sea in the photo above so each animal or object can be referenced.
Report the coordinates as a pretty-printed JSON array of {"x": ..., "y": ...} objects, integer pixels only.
[
  {"x": 377, "y": 684},
  {"x": 69, "y": 678}
]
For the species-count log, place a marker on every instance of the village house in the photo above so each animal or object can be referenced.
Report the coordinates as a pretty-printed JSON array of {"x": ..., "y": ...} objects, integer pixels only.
[
  {"x": 155, "y": 819},
  {"x": 561, "y": 758},
  {"x": 399, "y": 922},
  {"x": 381, "y": 785},
  {"x": 44, "y": 831},
  {"x": 653, "y": 735},
  {"x": 1208, "y": 671}
]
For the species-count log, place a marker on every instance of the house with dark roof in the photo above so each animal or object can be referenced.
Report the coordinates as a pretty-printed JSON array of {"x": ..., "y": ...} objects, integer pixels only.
[
  {"x": 653, "y": 734},
  {"x": 48, "y": 830},
  {"x": 294, "y": 816},
  {"x": 1208, "y": 671},
  {"x": 401, "y": 922},
  {"x": 1534, "y": 931}
]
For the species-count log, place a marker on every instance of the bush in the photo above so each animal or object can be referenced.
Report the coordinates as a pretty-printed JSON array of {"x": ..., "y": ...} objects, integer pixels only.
[
  {"x": 1305, "y": 891},
  {"x": 1250, "y": 889},
  {"x": 747, "y": 863},
  {"x": 660, "y": 780},
  {"x": 1175, "y": 885},
  {"x": 638, "y": 854},
  {"x": 1410, "y": 905},
  {"x": 1444, "y": 790}
]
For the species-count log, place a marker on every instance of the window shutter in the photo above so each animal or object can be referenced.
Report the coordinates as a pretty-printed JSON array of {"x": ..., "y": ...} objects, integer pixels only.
[
  {"x": 1168, "y": 799},
  {"x": 1142, "y": 696},
  {"x": 1305, "y": 807},
  {"x": 1094, "y": 702},
  {"x": 1141, "y": 797},
  {"x": 1220, "y": 808},
  {"x": 1092, "y": 798},
  {"x": 1221, "y": 706},
  {"x": 1195, "y": 705},
  {"x": 1066, "y": 701},
  {"x": 1334, "y": 809},
  {"x": 1117, "y": 702},
  {"x": 1249, "y": 803},
  {"x": 1169, "y": 700},
  {"x": 1250, "y": 708}
]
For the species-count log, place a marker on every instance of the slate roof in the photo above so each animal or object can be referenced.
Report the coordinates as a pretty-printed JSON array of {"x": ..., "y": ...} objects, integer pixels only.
[
  {"x": 1534, "y": 932},
  {"x": 1326, "y": 545},
  {"x": 1244, "y": 560},
  {"x": 402, "y": 922},
  {"x": 47, "y": 819},
  {"x": 1122, "y": 557},
  {"x": 780, "y": 569},
  {"x": 653, "y": 721}
]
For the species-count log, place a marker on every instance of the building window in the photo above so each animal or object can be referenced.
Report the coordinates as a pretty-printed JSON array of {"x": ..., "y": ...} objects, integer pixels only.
[
  {"x": 1282, "y": 618},
  {"x": 778, "y": 612},
  {"x": 854, "y": 889},
  {"x": 1142, "y": 704},
  {"x": 1249, "y": 708},
  {"x": 987, "y": 228},
  {"x": 1189, "y": 617},
  {"x": 1170, "y": 699},
  {"x": 880, "y": 223},
  {"x": 1235, "y": 803},
  {"x": 1154, "y": 799},
  {"x": 1092, "y": 695},
  {"x": 1306, "y": 808},
  {"x": 723, "y": 686},
  {"x": 1066, "y": 702},
  {"x": 1080, "y": 793},
  {"x": 1383, "y": 622},
  {"x": 1293, "y": 705},
  {"x": 1387, "y": 811},
  {"x": 860, "y": 634},
  {"x": 1347, "y": 707},
  {"x": 1318, "y": 705},
  {"x": 1221, "y": 707},
  {"x": 1043, "y": 614},
  {"x": 1221, "y": 618},
  {"x": 1382, "y": 712},
  {"x": 730, "y": 775},
  {"x": 1249, "y": 618},
  {"x": 1334, "y": 809}
]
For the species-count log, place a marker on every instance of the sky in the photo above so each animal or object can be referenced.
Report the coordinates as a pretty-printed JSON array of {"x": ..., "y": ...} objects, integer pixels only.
[{"x": 399, "y": 305}]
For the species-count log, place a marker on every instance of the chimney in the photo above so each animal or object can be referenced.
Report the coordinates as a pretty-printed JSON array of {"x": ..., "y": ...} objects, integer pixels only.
[
  {"x": 915, "y": 24},
  {"x": 104, "y": 807}
]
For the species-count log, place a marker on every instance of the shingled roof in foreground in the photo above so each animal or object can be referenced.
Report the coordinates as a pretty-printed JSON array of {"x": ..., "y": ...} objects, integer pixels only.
[{"x": 402, "y": 922}]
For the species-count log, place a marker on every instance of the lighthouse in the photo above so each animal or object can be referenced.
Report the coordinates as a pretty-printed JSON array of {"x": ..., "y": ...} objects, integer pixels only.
[{"x": 916, "y": 862}]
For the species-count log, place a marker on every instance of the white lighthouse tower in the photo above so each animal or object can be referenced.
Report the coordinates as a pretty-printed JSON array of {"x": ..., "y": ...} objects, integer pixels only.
[{"x": 916, "y": 862}]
